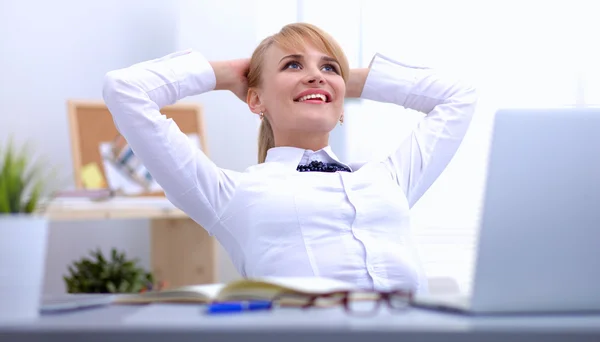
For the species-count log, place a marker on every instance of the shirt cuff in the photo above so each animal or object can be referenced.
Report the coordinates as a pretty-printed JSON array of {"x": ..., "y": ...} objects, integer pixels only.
[
  {"x": 193, "y": 72},
  {"x": 391, "y": 81}
]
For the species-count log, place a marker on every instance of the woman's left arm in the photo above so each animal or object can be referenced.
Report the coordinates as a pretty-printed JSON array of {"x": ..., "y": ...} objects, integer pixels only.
[{"x": 448, "y": 104}]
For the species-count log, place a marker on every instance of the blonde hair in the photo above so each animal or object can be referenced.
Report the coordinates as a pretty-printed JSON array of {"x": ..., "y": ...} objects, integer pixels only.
[{"x": 292, "y": 37}]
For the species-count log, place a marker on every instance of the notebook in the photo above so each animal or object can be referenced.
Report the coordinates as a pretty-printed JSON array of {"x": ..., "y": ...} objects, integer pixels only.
[
  {"x": 265, "y": 288},
  {"x": 69, "y": 302}
]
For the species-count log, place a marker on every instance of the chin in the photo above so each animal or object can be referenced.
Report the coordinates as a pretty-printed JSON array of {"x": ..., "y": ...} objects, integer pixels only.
[{"x": 316, "y": 124}]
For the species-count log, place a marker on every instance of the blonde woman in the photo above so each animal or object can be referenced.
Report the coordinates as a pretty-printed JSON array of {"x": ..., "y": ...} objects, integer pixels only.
[{"x": 300, "y": 211}]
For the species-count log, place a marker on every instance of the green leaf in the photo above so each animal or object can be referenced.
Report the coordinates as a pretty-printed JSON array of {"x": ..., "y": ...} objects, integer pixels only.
[
  {"x": 34, "y": 198},
  {"x": 111, "y": 287},
  {"x": 114, "y": 255},
  {"x": 124, "y": 286},
  {"x": 4, "y": 201},
  {"x": 100, "y": 257}
]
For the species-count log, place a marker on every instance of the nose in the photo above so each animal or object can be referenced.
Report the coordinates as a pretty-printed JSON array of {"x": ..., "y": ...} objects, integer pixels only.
[
  {"x": 314, "y": 76},
  {"x": 316, "y": 80}
]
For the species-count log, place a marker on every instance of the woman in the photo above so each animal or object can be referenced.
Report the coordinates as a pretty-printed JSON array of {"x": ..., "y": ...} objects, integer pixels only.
[{"x": 349, "y": 222}]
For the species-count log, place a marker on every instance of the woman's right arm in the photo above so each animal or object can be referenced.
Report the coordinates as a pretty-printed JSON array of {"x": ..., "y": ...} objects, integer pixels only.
[{"x": 134, "y": 96}]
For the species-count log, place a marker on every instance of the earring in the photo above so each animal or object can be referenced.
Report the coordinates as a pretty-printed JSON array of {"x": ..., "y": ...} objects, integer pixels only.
[
  {"x": 341, "y": 120},
  {"x": 262, "y": 115}
]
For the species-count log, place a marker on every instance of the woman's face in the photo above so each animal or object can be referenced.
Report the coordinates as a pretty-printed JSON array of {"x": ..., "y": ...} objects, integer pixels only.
[{"x": 301, "y": 91}]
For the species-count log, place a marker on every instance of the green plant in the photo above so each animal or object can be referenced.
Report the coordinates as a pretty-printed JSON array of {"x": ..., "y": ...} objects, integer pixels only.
[
  {"x": 100, "y": 275},
  {"x": 22, "y": 181}
]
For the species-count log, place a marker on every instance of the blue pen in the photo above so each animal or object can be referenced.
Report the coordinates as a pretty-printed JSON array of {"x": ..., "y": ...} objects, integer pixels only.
[{"x": 234, "y": 307}]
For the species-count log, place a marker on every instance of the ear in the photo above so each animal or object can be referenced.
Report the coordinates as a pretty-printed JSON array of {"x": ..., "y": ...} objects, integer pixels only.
[{"x": 254, "y": 102}]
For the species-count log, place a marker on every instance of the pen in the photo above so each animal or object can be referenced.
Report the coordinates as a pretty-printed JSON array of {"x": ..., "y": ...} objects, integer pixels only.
[{"x": 233, "y": 307}]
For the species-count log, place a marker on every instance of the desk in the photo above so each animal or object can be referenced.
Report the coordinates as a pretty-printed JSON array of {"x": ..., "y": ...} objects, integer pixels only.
[
  {"x": 182, "y": 252},
  {"x": 183, "y": 322}
]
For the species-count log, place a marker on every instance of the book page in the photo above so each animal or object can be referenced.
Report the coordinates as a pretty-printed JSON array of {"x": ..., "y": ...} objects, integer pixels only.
[
  {"x": 266, "y": 287},
  {"x": 310, "y": 284},
  {"x": 210, "y": 291}
]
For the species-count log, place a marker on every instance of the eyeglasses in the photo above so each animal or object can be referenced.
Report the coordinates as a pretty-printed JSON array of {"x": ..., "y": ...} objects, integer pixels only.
[{"x": 354, "y": 302}]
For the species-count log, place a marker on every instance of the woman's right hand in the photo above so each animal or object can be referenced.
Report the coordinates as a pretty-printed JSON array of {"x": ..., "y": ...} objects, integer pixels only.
[{"x": 231, "y": 75}]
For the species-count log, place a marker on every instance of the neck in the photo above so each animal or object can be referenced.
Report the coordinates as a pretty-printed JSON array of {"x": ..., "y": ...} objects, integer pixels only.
[{"x": 303, "y": 140}]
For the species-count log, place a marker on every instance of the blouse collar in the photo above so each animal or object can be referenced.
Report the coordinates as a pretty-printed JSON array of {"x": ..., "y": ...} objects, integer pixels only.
[{"x": 294, "y": 156}]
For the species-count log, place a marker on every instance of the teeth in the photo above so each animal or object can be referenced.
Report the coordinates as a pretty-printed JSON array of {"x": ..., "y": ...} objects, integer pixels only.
[{"x": 313, "y": 96}]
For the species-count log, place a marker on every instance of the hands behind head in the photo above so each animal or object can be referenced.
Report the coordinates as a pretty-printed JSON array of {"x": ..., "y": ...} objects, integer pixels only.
[{"x": 231, "y": 75}]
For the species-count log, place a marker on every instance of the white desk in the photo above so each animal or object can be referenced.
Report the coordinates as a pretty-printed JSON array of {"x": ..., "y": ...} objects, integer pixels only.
[
  {"x": 171, "y": 322},
  {"x": 182, "y": 251}
]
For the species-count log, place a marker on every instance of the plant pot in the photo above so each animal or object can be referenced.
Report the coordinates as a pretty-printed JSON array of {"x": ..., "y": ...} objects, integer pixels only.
[{"x": 23, "y": 241}]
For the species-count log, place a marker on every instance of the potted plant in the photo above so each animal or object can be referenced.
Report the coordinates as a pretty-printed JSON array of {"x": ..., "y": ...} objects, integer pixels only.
[
  {"x": 23, "y": 233},
  {"x": 100, "y": 274}
]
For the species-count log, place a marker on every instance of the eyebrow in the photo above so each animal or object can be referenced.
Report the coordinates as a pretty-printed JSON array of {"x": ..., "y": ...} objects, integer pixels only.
[{"x": 298, "y": 56}]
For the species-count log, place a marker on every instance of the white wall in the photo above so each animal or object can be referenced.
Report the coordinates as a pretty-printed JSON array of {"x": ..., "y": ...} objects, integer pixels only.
[{"x": 53, "y": 51}]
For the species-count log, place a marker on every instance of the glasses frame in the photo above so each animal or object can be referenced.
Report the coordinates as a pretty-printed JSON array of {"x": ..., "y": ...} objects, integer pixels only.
[{"x": 345, "y": 301}]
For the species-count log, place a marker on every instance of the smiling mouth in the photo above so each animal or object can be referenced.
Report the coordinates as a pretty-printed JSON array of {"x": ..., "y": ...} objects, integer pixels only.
[{"x": 313, "y": 98}]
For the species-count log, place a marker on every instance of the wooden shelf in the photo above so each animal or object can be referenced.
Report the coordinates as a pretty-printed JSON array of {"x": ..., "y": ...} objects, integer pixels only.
[
  {"x": 182, "y": 252},
  {"x": 115, "y": 208}
]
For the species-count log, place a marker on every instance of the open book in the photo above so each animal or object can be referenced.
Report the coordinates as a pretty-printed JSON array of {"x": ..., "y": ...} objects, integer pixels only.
[{"x": 266, "y": 288}]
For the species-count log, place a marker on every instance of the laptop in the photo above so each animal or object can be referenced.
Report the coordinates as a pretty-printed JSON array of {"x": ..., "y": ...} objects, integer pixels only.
[{"x": 538, "y": 247}]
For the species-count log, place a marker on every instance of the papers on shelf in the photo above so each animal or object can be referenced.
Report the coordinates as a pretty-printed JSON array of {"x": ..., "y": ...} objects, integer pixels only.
[{"x": 126, "y": 174}]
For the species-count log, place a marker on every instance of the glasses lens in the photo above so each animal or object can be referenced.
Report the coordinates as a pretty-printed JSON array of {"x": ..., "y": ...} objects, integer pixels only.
[
  {"x": 399, "y": 300},
  {"x": 363, "y": 302}
]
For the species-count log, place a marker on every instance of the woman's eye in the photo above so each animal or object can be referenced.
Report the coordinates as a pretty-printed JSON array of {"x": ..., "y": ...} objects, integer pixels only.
[
  {"x": 293, "y": 65},
  {"x": 329, "y": 68}
]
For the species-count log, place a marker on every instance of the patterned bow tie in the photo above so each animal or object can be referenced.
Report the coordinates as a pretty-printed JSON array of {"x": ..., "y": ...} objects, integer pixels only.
[{"x": 322, "y": 167}]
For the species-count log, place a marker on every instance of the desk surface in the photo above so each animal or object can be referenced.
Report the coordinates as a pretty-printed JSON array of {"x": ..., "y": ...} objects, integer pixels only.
[
  {"x": 185, "y": 322},
  {"x": 62, "y": 209}
]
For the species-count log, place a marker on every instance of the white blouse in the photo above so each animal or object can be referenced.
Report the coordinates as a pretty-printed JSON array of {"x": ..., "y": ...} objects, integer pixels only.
[{"x": 276, "y": 221}]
